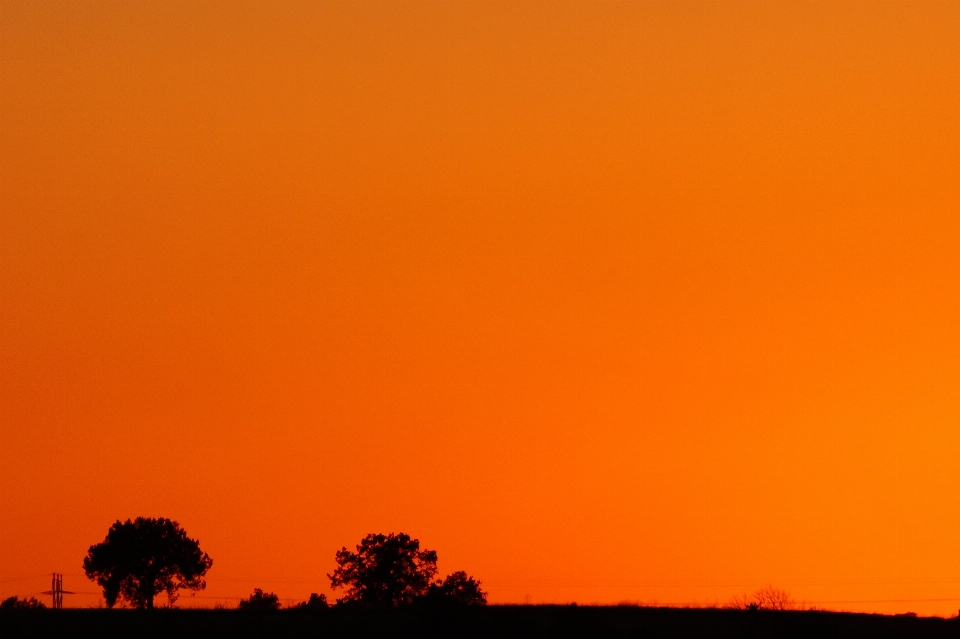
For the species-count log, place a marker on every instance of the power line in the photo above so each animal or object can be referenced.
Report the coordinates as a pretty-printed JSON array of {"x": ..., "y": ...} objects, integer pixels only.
[
  {"x": 666, "y": 604},
  {"x": 9, "y": 579}
]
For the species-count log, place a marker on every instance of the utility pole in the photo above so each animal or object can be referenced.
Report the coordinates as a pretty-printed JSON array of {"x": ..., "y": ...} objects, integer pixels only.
[{"x": 56, "y": 591}]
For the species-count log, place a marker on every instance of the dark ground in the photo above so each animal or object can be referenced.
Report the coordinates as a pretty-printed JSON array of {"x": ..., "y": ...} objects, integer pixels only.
[{"x": 491, "y": 621}]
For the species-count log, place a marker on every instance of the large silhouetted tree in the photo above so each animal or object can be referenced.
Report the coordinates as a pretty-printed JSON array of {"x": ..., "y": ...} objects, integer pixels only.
[
  {"x": 140, "y": 559},
  {"x": 386, "y": 570}
]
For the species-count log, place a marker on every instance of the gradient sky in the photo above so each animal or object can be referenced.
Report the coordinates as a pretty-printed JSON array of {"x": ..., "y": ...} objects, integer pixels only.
[{"x": 602, "y": 301}]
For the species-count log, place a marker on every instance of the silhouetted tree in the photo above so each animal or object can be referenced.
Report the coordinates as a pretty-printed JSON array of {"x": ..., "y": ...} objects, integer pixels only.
[
  {"x": 766, "y": 598},
  {"x": 260, "y": 600},
  {"x": 16, "y": 603},
  {"x": 458, "y": 588},
  {"x": 315, "y": 602},
  {"x": 386, "y": 570},
  {"x": 771, "y": 598},
  {"x": 743, "y": 602},
  {"x": 140, "y": 559}
]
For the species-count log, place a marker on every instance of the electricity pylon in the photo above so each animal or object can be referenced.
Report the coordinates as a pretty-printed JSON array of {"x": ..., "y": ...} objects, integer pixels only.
[{"x": 56, "y": 591}]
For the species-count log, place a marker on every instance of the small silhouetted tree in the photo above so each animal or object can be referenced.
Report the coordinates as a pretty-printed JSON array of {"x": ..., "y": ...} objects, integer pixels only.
[
  {"x": 260, "y": 600},
  {"x": 139, "y": 559},
  {"x": 16, "y": 603},
  {"x": 772, "y": 598},
  {"x": 385, "y": 570},
  {"x": 766, "y": 598},
  {"x": 458, "y": 588}
]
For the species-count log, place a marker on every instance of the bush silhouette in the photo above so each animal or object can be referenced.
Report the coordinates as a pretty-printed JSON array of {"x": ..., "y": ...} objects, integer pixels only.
[
  {"x": 386, "y": 570},
  {"x": 315, "y": 602},
  {"x": 140, "y": 559},
  {"x": 458, "y": 588},
  {"x": 766, "y": 598},
  {"x": 16, "y": 603},
  {"x": 260, "y": 600}
]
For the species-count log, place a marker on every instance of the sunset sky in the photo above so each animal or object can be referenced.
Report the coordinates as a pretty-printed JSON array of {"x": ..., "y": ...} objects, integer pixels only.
[{"x": 648, "y": 302}]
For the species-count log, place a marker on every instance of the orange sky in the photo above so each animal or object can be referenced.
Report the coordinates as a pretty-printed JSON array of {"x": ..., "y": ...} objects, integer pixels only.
[{"x": 602, "y": 301}]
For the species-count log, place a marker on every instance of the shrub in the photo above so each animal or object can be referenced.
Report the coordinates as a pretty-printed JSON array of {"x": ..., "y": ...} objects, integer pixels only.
[
  {"x": 458, "y": 588},
  {"x": 16, "y": 603},
  {"x": 766, "y": 598},
  {"x": 260, "y": 600},
  {"x": 315, "y": 602}
]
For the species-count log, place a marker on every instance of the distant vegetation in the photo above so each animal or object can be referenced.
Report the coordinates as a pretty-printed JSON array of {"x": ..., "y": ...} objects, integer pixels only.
[
  {"x": 389, "y": 587},
  {"x": 315, "y": 602},
  {"x": 16, "y": 603},
  {"x": 142, "y": 558},
  {"x": 260, "y": 600},
  {"x": 767, "y": 598},
  {"x": 392, "y": 570}
]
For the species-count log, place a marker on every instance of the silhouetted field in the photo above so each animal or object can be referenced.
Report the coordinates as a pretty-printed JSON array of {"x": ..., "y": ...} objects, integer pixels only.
[{"x": 487, "y": 621}]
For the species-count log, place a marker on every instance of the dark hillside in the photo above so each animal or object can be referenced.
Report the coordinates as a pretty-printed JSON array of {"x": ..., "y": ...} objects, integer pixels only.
[{"x": 489, "y": 621}]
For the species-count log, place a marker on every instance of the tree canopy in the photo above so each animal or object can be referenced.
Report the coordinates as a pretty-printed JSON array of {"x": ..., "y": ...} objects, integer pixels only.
[
  {"x": 385, "y": 570},
  {"x": 392, "y": 570},
  {"x": 139, "y": 559}
]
